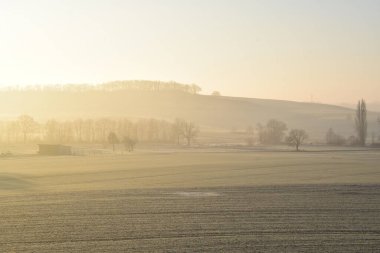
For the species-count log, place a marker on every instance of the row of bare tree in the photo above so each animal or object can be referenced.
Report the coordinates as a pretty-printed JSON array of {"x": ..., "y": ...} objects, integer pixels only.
[
  {"x": 26, "y": 129},
  {"x": 113, "y": 86},
  {"x": 361, "y": 129},
  {"x": 274, "y": 133}
]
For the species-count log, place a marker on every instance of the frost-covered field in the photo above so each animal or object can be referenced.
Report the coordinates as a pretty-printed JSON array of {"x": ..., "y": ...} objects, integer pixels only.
[{"x": 192, "y": 202}]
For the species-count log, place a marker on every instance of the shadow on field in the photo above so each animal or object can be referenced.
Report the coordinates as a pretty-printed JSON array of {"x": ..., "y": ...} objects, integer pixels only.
[{"x": 8, "y": 182}]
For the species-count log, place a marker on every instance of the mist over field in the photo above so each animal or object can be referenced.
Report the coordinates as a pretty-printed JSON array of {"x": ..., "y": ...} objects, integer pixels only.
[
  {"x": 268, "y": 140},
  {"x": 169, "y": 101},
  {"x": 155, "y": 166}
]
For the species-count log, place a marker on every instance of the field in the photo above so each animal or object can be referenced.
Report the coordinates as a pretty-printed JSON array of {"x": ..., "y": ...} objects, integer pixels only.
[{"x": 192, "y": 202}]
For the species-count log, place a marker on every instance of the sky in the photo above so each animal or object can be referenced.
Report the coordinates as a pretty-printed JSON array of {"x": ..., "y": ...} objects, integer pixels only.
[{"x": 304, "y": 50}]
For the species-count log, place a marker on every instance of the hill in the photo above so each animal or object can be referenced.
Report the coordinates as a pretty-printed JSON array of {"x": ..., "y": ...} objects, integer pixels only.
[{"x": 217, "y": 113}]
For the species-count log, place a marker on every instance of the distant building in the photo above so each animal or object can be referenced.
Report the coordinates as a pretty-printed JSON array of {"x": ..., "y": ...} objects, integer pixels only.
[{"x": 49, "y": 149}]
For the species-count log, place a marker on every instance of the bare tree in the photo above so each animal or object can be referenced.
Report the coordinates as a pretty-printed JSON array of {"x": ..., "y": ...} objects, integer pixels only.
[
  {"x": 112, "y": 138},
  {"x": 361, "y": 122},
  {"x": 296, "y": 137},
  {"x": 178, "y": 126},
  {"x": 52, "y": 131},
  {"x": 250, "y": 132},
  {"x": 378, "y": 122},
  {"x": 129, "y": 143},
  {"x": 272, "y": 133},
  {"x": 11, "y": 130},
  {"x": 373, "y": 138},
  {"x": 276, "y": 131},
  {"x": 189, "y": 131},
  {"x": 216, "y": 93},
  {"x": 333, "y": 138},
  {"x": 195, "y": 89},
  {"x": 27, "y": 125},
  {"x": 78, "y": 126}
]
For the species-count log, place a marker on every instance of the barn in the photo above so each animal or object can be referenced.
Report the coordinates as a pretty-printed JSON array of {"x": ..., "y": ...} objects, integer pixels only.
[{"x": 52, "y": 149}]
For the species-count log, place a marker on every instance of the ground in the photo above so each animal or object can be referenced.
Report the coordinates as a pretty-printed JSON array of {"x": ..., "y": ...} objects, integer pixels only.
[{"x": 211, "y": 201}]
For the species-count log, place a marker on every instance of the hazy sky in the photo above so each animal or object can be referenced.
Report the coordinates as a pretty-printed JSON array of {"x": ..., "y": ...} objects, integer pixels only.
[{"x": 284, "y": 49}]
